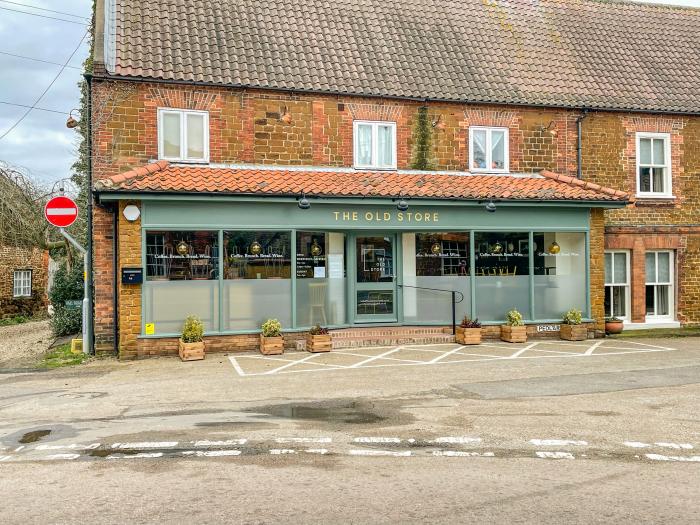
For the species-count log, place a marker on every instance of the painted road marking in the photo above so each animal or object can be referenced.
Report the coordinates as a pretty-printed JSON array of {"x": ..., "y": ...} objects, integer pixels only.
[
  {"x": 554, "y": 455},
  {"x": 4, "y": 458},
  {"x": 677, "y": 446},
  {"x": 211, "y": 453},
  {"x": 281, "y": 451},
  {"x": 145, "y": 444},
  {"x": 459, "y": 439},
  {"x": 393, "y": 356},
  {"x": 317, "y": 450},
  {"x": 462, "y": 454},
  {"x": 557, "y": 442},
  {"x": 303, "y": 440},
  {"x": 64, "y": 457},
  {"x": 226, "y": 443},
  {"x": 141, "y": 455},
  {"x": 377, "y": 440},
  {"x": 72, "y": 446},
  {"x": 660, "y": 457},
  {"x": 394, "y": 453}
]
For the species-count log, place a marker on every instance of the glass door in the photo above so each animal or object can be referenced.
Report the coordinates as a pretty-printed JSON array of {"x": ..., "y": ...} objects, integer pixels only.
[{"x": 375, "y": 278}]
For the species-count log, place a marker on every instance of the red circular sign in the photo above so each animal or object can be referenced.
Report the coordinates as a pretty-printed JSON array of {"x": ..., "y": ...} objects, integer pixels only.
[{"x": 61, "y": 211}]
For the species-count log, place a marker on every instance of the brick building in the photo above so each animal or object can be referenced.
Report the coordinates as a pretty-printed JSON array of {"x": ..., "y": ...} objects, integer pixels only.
[
  {"x": 23, "y": 281},
  {"x": 332, "y": 162}
]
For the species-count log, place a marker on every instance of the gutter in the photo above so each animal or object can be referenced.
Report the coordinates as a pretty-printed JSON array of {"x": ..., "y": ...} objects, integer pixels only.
[
  {"x": 120, "y": 78},
  {"x": 90, "y": 280}
]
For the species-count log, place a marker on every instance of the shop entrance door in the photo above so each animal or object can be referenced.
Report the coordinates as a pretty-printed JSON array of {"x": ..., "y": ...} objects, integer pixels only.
[{"x": 375, "y": 278}]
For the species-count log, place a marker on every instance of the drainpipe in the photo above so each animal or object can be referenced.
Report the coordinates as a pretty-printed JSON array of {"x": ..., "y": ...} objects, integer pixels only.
[
  {"x": 115, "y": 274},
  {"x": 579, "y": 166},
  {"x": 89, "y": 334}
]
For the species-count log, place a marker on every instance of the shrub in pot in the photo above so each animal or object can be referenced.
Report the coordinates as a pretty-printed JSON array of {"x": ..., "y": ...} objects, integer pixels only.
[
  {"x": 613, "y": 325},
  {"x": 271, "y": 341},
  {"x": 191, "y": 347},
  {"x": 468, "y": 332},
  {"x": 571, "y": 328},
  {"x": 514, "y": 331},
  {"x": 318, "y": 340}
]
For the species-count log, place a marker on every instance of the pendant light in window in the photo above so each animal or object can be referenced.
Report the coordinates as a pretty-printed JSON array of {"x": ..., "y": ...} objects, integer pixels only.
[
  {"x": 554, "y": 248},
  {"x": 182, "y": 248},
  {"x": 436, "y": 249},
  {"x": 255, "y": 248},
  {"x": 316, "y": 249}
]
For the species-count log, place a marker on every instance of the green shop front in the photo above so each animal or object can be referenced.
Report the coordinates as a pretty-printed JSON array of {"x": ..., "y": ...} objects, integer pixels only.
[{"x": 235, "y": 261}]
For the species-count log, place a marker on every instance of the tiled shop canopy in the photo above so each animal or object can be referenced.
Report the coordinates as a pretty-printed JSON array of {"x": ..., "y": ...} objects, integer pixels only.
[
  {"x": 164, "y": 177},
  {"x": 581, "y": 53}
]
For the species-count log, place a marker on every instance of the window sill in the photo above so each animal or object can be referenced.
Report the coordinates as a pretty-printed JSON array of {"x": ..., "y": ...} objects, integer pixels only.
[
  {"x": 651, "y": 324},
  {"x": 181, "y": 161},
  {"x": 372, "y": 168},
  {"x": 488, "y": 172},
  {"x": 664, "y": 201}
]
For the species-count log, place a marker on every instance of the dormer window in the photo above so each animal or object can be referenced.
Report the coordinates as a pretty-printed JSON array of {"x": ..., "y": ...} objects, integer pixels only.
[
  {"x": 488, "y": 151},
  {"x": 374, "y": 145},
  {"x": 183, "y": 135}
]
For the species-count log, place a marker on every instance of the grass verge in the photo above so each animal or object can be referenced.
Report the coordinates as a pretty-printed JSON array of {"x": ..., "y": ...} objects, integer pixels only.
[
  {"x": 659, "y": 332},
  {"x": 62, "y": 356}
]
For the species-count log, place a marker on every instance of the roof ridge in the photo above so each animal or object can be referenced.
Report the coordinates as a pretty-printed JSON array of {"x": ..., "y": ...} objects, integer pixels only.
[
  {"x": 135, "y": 173},
  {"x": 574, "y": 181}
]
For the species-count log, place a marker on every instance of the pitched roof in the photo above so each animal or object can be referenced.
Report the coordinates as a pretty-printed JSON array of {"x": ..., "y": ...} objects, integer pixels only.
[
  {"x": 603, "y": 54},
  {"x": 163, "y": 177}
]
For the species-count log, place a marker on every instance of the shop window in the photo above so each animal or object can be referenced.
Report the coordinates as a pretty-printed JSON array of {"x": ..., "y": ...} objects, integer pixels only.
[
  {"x": 374, "y": 144},
  {"x": 659, "y": 285},
  {"x": 560, "y": 273},
  {"x": 182, "y": 271},
  {"x": 181, "y": 255},
  {"x": 435, "y": 264},
  {"x": 617, "y": 284},
  {"x": 653, "y": 165},
  {"x": 320, "y": 278},
  {"x": 488, "y": 149},
  {"x": 22, "y": 283},
  {"x": 502, "y": 274},
  {"x": 183, "y": 135},
  {"x": 257, "y": 278}
]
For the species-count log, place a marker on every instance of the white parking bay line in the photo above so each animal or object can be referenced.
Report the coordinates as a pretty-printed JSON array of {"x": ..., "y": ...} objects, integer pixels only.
[
  {"x": 660, "y": 457},
  {"x": 593, "y": 347},
  {"x": 554, "y": 455},
  {"x": 393, "y": 350},
  {"x": 522, "y": 351},
  {"x": 446, "y": 354},
  {"x": 557, "y": 442},
  {"x": 236, "y": 366},
  {"x": 393, "y": 453},
  {"x": 302, "y": 360}
]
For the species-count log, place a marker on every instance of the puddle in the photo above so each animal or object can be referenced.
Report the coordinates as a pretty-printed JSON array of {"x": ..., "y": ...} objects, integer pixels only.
[
  {"x": 33, "y": 436},
  {"x": 350, "y": 413}
]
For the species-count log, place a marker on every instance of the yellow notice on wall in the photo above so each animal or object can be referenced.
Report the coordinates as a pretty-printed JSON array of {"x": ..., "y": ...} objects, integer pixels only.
[{"x": 150, "y": 328}]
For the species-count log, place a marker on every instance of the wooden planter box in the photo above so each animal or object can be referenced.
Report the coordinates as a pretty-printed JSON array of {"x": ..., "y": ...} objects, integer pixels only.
[
  {"x": 468, "y": 336},
  {"x": 573, "y": 332},
  {"x": 271, "y": 345},
  {"x": 191, "y": 351},
  {"x": 513, "y": 334},
  {"x": 319, "y": 343}
]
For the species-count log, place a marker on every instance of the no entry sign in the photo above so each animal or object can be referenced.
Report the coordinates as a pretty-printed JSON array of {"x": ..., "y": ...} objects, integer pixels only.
[{"x": 61, "y": 211}]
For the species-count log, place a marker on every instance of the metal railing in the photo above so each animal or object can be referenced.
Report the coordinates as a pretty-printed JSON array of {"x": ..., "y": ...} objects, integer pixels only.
[{"x": 453, "y": 294}]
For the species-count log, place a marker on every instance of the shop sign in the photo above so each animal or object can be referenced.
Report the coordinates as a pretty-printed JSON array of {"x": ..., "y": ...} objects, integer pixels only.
[
  {"x": 548, "y": 327},
  {"x": 387, "y": 216}
]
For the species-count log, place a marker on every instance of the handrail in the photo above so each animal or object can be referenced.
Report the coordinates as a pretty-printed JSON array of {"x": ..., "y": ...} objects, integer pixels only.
[{"x": 454, "y": 301}]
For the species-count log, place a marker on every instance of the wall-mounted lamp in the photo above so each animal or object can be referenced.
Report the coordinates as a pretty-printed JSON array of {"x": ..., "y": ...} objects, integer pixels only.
[
  {"x": 490, "y": 206},
  {"x": 402, "y": 205},
  {"x": 550, "y": 128},
  {"x": 438, "y": 123},
  {"x": 72, "y": 122},
  {"x": 286, "y": 116},
  {"x": 304, "y": 203}
]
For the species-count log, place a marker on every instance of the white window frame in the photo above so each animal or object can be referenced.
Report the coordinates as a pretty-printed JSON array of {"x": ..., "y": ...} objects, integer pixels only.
[
  {"x": 375, "y": 144},
  {"x": 668, "y": 190},
  {"x": 670, "y": 283},
  {"x": 506, "y": 149},
  {"x": 22, "y": 283},
  {"x": 183, "y": 114},
  {"x": 627, "y": 285}
]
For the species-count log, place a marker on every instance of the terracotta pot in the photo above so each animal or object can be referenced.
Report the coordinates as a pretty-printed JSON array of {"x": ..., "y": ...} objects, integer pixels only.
[
  {"x": 271, "y": 345},
  {"x": 613, "y": 327},
  {"x": 319, "y": 343},
  {"x": 191, "y": 351},
  {"x": 513, "y": 334},
  {"x": 468, "y": 336},
  {"x": 573, "y": 332}
]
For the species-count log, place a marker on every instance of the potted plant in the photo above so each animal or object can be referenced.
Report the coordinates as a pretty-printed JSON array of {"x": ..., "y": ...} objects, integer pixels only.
[
  {"x": 468, "y": 332},
  {"x": 613, "y": 325},
  {"x": 271, "y": 341},
  {"x": 318, "y": 340},
  {"x": 514, "y": 331},
  {"x": 571, "y": 328},
  {"x": 191, "y": 347}
]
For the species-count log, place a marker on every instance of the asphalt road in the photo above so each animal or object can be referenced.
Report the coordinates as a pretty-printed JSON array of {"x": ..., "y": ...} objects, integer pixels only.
[{"x": 611, "y": 437}]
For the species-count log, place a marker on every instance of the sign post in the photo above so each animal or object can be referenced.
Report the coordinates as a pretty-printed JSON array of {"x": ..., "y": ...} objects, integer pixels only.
[{"x": 62, "y": 212}]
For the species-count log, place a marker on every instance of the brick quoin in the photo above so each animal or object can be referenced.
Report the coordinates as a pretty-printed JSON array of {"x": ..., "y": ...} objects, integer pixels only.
[{"x": 246, "y": 128}]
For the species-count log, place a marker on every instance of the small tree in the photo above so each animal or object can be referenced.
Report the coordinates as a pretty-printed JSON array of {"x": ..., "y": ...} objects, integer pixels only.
[{"x": 67, "y": 286}]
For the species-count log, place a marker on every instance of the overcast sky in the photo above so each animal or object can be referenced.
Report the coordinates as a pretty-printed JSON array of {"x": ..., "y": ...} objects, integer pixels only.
[{"x": 42, "y": 143}]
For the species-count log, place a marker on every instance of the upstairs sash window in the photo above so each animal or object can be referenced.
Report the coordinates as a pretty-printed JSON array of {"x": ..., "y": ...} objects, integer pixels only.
[
  {"x": 183, "y": 135},
  {"x": 653, "y": 165},
  {"x": 374, "y": 145},
  {"x": 488, "y": 151}
]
